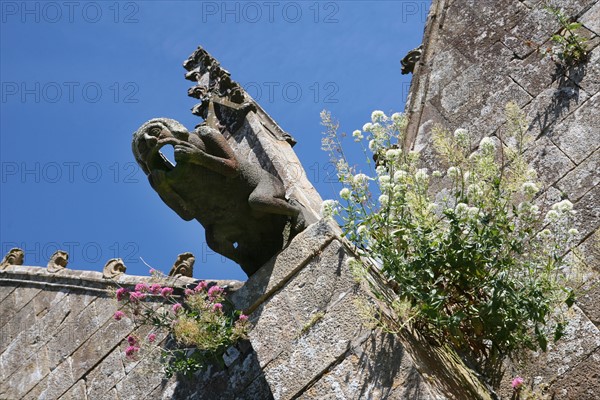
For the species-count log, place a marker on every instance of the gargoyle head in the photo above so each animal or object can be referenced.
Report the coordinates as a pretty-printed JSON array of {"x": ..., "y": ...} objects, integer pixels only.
[{"x": 151, "y": 137}]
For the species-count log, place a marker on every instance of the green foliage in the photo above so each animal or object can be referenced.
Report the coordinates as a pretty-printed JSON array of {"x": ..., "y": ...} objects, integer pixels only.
[
  {"x": 570, "y": 48},
  {"x": 464, "y": 246},
  {"x": 199, "y": 326}
]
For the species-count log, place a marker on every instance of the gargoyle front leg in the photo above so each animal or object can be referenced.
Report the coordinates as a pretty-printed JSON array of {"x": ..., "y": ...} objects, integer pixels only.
[
  {"x": 221, "y": 246},
  {"x": 158, "y": 181},
  {"x": 212, "y": 158}
]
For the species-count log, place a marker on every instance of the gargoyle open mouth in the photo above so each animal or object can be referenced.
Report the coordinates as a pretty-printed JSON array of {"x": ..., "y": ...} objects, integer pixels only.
[
  {"x": 155, "y": 158},
  {"x": 167, "y": 164}
]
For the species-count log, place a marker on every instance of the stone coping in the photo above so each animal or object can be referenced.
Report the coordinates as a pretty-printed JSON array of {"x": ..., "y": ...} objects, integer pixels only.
[{"x": 93, "y": 280}]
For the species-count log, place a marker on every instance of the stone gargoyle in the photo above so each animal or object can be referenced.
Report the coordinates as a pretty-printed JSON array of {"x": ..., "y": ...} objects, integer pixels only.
[{"x": 242, "y": 206}]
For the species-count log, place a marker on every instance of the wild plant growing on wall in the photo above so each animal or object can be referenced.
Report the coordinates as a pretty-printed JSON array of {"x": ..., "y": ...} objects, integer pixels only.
[
  {"x": 570, "y": 48},
  {"x": 475, "y": 262},
  {"x": 199, "y": 326}
]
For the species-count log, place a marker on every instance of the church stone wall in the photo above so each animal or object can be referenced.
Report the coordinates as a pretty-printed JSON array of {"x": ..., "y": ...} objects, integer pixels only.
[{"x": 476, "y": 59}]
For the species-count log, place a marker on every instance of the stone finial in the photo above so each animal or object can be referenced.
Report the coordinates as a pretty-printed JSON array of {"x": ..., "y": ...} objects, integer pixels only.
[
  {"x": 184, "y": 266},
  {"x": 113, "y": 268},
  {"x": 58, "y": 261},
  {"x": 15, "y": 256},
  {"x": 231, "y": 102}
]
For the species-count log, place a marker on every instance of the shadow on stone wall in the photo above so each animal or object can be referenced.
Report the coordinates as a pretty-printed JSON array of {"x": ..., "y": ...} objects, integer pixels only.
[{"x": 565, "y": 94}]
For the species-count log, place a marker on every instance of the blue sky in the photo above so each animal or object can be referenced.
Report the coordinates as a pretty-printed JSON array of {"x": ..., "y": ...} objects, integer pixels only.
[{"x": 78, "y": 78}]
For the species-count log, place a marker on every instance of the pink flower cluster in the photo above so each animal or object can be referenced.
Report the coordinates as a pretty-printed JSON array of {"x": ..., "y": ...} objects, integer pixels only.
[
  {"x": 121, "y": 293},
  {"x": 214, "y": 292},
  {"x": 155, "y": 288},
  {"x": 517, "y": 383},
  {"x": 136, "y": 296},
  {"x": 176, "y": 307},
  {"x": 141, "y": 290},
  {"x": 142, "y": 287},
  {"x": 166, "y": 292},
  {"x": 201, "y": 286},
  {"x": 133, "y": 348},
  {"x": 118, "y": 315},
  {"x": 131, "y": 351}
]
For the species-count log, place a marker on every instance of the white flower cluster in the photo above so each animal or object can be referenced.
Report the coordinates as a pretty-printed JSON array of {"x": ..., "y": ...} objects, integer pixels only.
[
  {"x": 329, "y": 208},
  {"x": 421, "y": 175},
  {"x": 465, "y": 212},
  {"x": 345, "y": 193},
  {"x": 357, "y": 135},
  {"x": 474, "y": 191},
  {"x": 562, "y": 208},
  {"x": 393, "y": 154},
  {"x": 529, "y": 189},
  {"x": 360, "y": 180},
  {"x": 362, "y": 230},
  {"x": 400, "y": 176},
  {"x": 487, "y": 146},
  {"x": 377, "y": 116},
  {"x": 528, "y": 209},
  {"x": 384, "y": 182},
  {"x": 453, "y": 172},
  {"x": 462, "y": 137},
  {"x": 384, "y": 199}
]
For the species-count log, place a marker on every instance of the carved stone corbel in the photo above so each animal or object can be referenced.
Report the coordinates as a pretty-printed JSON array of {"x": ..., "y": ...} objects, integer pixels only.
[
  {"x": 184, "y": 265},
  {"x": 15, "y": 256},
  {"x": 58, "y": 261},
  {"x": 113, "y": 268}
]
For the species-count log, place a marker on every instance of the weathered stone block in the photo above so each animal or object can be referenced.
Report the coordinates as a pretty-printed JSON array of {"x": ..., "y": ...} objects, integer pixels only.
[
  {"x": 578, "y": 135},
  {"x": 85, "y": 357},
  {"x": 379, "y": 368},
  {"x": 546, "y": 158},
  {"x": 581, "y": 383},
  {"x": 284, "y": 265},
  {"x": 591, "y": 19},
  {"x": 142, "y": 379},
  {"x": 581, "y": 338},
  {"x": 534, "y": 74},
  {"x": 587, "y": 218},
  {"x": 77, "y": 391},
  {"x": 582, "y": 178},
  {"x": 33, "y": 334},
  {"x": 316, "y": 351},
  {"x": 105, "y": 375},
  {"x": 27, "y": 377},
  {"x": 536, "y": 27},
  {"x": 590, "y": 81},
  {"x": 311, "y": 291}
]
